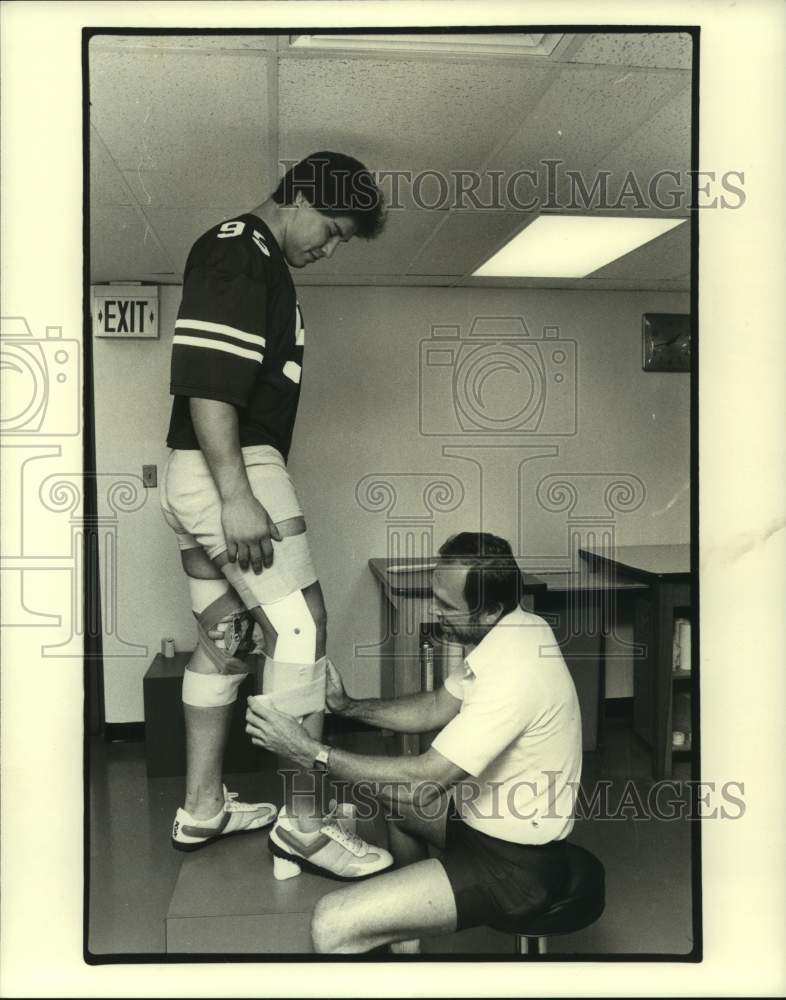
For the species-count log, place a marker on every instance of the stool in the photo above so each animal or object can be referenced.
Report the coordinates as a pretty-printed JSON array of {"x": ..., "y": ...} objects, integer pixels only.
[{"x": 579, "y": 905}]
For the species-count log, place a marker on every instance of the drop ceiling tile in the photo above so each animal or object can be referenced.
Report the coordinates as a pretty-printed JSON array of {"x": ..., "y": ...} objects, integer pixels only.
[
  {"x": 107, "y": 186},
  {"x": 232, "y": 178},
  {"x": 585, "y": 114},
  {"x": 465, "y": 240},
  {"x": 667, "y": 257},
  {"x": 178, "y": 228},
  {"x": 123, "y": 248},
  {"x": 198, "y": 118},
  {"x": 657, "y": 50},
  {"x": 348, "y": 280},
  {"x": 200, "y": 43},
  {"x": 419, "y": 114},
  {"x": 390, "y": 253},
  {"x": 661, "y": 143}
]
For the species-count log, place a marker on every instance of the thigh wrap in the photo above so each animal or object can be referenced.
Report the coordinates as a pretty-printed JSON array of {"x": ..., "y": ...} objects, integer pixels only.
[{"x": 295, "y": 688}]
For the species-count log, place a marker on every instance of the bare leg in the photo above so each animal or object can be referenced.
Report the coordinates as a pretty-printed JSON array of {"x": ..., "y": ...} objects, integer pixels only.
[
  {"x": 412, "y": 902},
  {"x": 408, "y": 840},
  {"x": 302, "y": 786},
  {"x": 206, "y": 728},
  {"x": 410, "y": 836}
]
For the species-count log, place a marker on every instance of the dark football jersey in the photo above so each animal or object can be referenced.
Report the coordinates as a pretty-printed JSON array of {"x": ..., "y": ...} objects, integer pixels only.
[{"x": 238, "y": 335}]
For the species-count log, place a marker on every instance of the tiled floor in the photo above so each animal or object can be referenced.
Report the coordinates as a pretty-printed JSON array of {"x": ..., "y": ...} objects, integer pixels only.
[{"x": 134, "y": 871}]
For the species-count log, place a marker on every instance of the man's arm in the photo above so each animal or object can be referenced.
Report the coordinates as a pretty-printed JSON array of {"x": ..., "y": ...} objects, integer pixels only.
[
  {"x": 399, "y": 780},
  {"x": 247, "y": 525},
  {"x": 412, "y": 713},
  {"x": 414, "y": 780}
]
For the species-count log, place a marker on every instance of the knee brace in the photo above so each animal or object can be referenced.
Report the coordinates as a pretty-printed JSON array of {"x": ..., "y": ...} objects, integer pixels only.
[
  {"x": 295, "y": 688},
  {"x": 225, "y": 626},
  {"x": 210, "y": 690},
  {"x": 295, "y": 628}
]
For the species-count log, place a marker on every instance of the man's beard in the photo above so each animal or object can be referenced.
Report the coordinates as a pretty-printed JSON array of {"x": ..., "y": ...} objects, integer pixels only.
[{"x": 467, "y": 634}]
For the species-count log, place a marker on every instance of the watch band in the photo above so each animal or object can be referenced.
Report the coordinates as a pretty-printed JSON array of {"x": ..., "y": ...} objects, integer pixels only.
[{"x": 322, "y": 760}]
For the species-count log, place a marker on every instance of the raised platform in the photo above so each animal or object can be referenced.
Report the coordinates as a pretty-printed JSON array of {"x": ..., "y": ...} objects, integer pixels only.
[{"x": 226, "y": 901}]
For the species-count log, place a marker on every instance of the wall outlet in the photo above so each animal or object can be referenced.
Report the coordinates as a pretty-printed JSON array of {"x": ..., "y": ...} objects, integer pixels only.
[{"x": 149, "y": 476}]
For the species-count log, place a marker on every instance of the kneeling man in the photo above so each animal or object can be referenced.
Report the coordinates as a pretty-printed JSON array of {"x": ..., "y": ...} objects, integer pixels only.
[{"x": 494, "y": 793}]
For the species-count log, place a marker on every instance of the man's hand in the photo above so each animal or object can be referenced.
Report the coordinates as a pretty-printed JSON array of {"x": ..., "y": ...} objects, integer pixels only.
[
  {"x": 248, "y": 530},
  {"x": 335, "y": 695},
  {"x": 279, "y": 732}
]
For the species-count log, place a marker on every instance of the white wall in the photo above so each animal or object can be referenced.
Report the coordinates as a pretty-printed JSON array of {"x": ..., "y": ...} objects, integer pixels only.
[{"x": 359, "y": 417}]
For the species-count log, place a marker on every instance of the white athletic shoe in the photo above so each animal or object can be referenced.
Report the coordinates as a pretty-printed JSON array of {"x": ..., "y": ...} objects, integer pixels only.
[
  {"x": 189, "y": 834},
  {"x": 334, "y": 850},
  {"x": 344, "y": 813}
]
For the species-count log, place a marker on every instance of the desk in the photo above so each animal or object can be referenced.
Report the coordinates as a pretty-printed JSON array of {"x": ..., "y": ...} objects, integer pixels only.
[{"x": 665, "y": 569}]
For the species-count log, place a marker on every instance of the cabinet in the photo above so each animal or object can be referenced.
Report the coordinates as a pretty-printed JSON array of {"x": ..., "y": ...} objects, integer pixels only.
[{"x": 666, "y": 571}]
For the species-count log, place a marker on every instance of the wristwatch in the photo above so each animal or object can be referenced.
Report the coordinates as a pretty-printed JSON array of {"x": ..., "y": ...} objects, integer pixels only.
[{"x": 321, "y": 761}]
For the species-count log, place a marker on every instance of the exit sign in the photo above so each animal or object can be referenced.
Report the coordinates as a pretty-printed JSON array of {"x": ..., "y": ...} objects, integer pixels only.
[{"x": 125, "y": 312}]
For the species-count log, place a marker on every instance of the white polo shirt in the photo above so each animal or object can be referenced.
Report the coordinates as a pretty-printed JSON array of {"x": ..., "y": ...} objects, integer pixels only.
[{"x": 517, "y": 734}]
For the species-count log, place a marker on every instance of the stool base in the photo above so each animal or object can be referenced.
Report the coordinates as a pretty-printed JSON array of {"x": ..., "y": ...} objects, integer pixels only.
[{"x": 531, "y": 945}]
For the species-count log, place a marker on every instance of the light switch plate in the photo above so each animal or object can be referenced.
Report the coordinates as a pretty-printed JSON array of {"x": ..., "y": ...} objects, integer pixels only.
[{"x": 149, "y": 476}]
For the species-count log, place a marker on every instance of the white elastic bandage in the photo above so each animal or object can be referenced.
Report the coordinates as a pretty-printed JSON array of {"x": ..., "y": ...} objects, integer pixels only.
[
  {"x": 204, "y": 592},
  {"x": 295, "y": 688},
  {"x": 295, "y": 628},
  {"x": 210, "y": 690}
]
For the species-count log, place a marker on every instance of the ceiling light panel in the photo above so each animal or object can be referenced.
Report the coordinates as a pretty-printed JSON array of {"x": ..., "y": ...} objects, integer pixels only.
[
  {"x": 515, "y": 44},
  {"x": 571, "y": 246}
]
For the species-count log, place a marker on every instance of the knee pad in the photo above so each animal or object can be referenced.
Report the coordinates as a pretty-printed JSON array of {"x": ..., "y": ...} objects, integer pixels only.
[
  {"x": 295, "y": 628},
  {"x": 210, "y": 690},
  {"x": 295, "y": 688},
  {"x": 225, "y": 628}
]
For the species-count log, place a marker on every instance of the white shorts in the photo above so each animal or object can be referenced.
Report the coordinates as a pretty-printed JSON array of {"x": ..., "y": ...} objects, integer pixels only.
[{"x": 191, "y": 506}]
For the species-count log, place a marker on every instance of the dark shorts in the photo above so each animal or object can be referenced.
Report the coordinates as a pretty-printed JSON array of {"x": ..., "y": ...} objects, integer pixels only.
[{"x": 496, "y": 881}]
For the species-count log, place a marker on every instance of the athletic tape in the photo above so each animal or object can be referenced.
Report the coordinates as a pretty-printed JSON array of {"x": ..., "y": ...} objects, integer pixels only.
[
  {"x": 296, "y": 631},
  {"x": 210, "y": 690},
  {"x": 295, "y": 688}
]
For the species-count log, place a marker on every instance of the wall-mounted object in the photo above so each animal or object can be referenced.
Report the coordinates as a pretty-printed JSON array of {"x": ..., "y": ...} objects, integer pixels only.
[
  {"x": 125, "y": 312},
  {"x": 665, "y": 339}
]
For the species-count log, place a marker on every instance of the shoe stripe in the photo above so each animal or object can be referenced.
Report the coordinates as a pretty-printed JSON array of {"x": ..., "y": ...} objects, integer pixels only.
[
  {"x": 305, "y": 850},
  {"x": 206, "y": 831}
]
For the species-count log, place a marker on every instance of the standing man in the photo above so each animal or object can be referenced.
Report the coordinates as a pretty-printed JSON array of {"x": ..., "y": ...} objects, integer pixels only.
[
  {"x": 508, "y": 752},
  {"x": 237, "y": 360}
]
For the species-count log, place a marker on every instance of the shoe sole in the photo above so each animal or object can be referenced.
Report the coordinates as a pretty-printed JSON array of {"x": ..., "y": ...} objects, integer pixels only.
[
  {"x": 187, "y": 848},
  {"x": 309, "y": 866}
]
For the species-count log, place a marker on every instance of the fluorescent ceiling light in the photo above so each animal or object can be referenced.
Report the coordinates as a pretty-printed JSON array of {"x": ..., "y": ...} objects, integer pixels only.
[
  {"x": 537, "y": 44},
  {"x": 571, "y": 246}
]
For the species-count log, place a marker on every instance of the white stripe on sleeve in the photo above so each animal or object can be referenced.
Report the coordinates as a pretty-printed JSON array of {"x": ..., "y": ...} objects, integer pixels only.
[
  {"x": 292, "y": 370},
  {"x": 230, "y": 331},
  {"x": 217, "y": 345}
]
